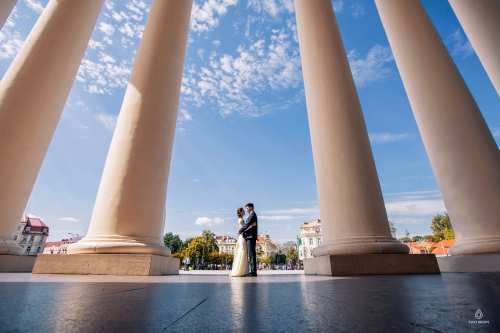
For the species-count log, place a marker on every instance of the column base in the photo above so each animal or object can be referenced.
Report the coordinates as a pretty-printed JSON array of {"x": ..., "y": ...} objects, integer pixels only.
[
  {"x": 113, "y": 244},
  {"x": 476, "y": 246},
  {"x": 371, "y": 264},
  {"x": 361, "y": 245},
  {"x": 16, "y": 264},
  {"x": 106, "y": 264},
  {"x": 468, "y": 263},
  {"x": 10, "y": 247}
]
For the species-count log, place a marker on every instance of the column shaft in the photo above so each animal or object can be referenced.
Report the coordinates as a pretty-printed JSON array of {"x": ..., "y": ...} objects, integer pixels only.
[
  {"x": 461, "y": 149},
  {"x": 481, "y": 23},
  {"x": 6, "y": 7},
  {"x": 129, "y": 210},
  {"x": 354, "y": 220},
  {"x": 32, "y": 96}
]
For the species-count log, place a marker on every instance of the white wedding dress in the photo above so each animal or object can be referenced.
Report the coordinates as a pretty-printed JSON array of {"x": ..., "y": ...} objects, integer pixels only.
[{"x": 240, "y": 263}]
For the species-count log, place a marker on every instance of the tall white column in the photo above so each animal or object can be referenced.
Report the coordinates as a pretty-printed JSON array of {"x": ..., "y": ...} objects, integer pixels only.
[
  {"x": 6, "y": 7},
  {"x": 461, "y": 149},
  {"x": 354, "y": 220},
  {"x": 128, "y": 214},
  {"x": 481, "y": 23},
  {"x": 32, "y": 96}
]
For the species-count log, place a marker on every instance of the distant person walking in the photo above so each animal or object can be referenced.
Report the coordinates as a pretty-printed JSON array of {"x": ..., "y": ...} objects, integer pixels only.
[{"x": 187, "y": 262}]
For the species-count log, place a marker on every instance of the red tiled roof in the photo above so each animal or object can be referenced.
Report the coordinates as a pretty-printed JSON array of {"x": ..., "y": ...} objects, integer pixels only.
[
  {"x": 36, "y": 222},
  {"x": 50, "y": 244},
  {"x": 446, "y": 244}
]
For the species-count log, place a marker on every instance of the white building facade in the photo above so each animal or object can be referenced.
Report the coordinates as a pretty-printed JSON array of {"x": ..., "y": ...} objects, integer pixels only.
[
  {"x": 31, "y": 235},
  {"x": 227, "y": 244},
  {"x": 310, "y": 238}
]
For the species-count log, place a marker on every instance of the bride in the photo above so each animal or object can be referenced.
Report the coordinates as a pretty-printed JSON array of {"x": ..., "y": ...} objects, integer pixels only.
[{"x": 240, "y": 263}]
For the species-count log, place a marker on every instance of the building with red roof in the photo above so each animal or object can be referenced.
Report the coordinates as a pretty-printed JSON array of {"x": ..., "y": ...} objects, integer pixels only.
[
  {"x": 31, "y": 235},
  {"x": 443, "y": 246}
]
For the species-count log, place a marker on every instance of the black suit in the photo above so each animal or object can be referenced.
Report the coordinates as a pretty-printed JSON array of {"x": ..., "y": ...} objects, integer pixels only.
[{"x": 251, "y": 238}]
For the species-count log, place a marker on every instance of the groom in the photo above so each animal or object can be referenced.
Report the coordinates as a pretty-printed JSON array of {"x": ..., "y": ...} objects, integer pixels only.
[{"x": 251, "y": 238}]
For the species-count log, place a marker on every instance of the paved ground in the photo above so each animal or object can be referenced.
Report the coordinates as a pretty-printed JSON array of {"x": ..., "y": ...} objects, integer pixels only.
[{"x": 269, "y": 303}]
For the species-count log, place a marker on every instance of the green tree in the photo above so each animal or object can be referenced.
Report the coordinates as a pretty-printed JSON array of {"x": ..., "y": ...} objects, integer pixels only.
[
  {"x": 173, "y": 242},
  {"x": 417, "y": 238},
  {"x": 404, "y": 239},
  {"x": 223, "y": 256},
  {"x": 185, "y": 244},
  {"x": 209, "y": 241},
  {"x": 265, "y": 260},
  {"x": 442, "y": 228},
  {"x": 280, "y": 258},
  {"x": 194, "y": 250},
  {"x": 292, "y": 254}
]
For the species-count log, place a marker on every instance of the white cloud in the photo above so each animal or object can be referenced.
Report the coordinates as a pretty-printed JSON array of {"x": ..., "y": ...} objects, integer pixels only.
[
  {"x": 10, "y": 43},
  {"x": 69, "y": 219},
  {"x": 461, "y": 44},
  {"x": 358, "y": 10},
  {"x": 200, "y": 53},
  {"x": 184, "y": 116},
  {"x": 338, "y": 6},
  {"x": 107, "y": 28},
  {"x": 208, "y": 221},
  {"x": 310, "y": 213},
  {"x": 414, "y": 207},
  {"x": 35, "y": 5},
  {"x": 371, "y": 68},
  {"x": 107, "y": 120},
  {"x": 227, "y": 80},
  {"x": 272, "y": 7},
  {"x": 216, "y": 42},
  {"x": 495, "y": 132},
  {"x": 203, "y": 17},
  {"x": 380, "y": 138}
]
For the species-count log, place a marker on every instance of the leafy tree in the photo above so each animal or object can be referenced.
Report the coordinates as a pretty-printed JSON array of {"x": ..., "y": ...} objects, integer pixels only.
[
  {"x": 194, "y": 250},
  {"x": 428, "y": 237},
  {"x": 417, "y": 238},
  {"x": 404, "y": 239},
  {"x": 185, "y": 244},
  {"x": 223, "y": 256},
  {"x": 442, "y": 228},
  {"x": 265, "y": 260},
  {"x": 209, "y": 241},
  {"x": 173, "y": 242},
  {"x": 280, "y": 258},
  {"x": 292, "y": 254},
  {"x": 213, "y": 258}
]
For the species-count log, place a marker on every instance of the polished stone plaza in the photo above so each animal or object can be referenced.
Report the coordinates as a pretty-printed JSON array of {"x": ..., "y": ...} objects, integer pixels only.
[{"x": 276, "y": 301}]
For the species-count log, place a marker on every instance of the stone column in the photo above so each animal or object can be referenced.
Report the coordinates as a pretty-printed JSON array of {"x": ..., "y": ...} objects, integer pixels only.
[
  {"x": 481, "y": 23},
  {"x": 32, "y": 96},
  {"x": 128, "y": 214},
  {"x": 6, "y": 7},
  {"x": 354, "y": 220},
  {"x": 461, "y": 149}
]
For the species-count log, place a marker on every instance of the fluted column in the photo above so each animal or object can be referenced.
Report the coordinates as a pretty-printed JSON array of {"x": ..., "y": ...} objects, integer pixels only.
[
  {"x": 354, "y": 220},
  {"x": 128, "y": 214},
  {"x": 481, "y": 23},
  {"x": 461, "y": 149},
  {"x": 33, "y": 92},
  {"x": 6, "y": 7}
]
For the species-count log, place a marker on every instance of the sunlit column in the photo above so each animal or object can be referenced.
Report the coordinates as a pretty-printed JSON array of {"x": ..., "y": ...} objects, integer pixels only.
[
  {"x": 481, "y": 23},
  {"x": 128, "y": 214},
  {"x": 32, "y": 96},
  {"x": 461, "y": 149},
  {"x": 6, "y": 7},
  {"x": 354, "y": 220}
]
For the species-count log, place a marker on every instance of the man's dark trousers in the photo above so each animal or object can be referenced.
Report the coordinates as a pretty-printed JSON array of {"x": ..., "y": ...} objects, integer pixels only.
[{"x": 251, "y": 253}]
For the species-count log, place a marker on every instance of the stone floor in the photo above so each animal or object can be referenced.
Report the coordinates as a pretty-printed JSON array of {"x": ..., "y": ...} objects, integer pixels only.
[{"x": 210, "y": 301}]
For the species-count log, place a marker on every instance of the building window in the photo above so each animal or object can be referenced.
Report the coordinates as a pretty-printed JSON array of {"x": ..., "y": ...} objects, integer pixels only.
[
  {"x": 39, "y": 249},
  {"x": 32, "y": 238},
  {"x": 44, "y": 229},
  {"x": 28, "y": 228},
  {"x": 42, "y": 239},
  {"x": 15, "y": 237},
  {"x": 311, "y": 252},
  {"x": 19, "y": 228},
  {"x": 311, "y": 242},
  {"x": 319, "y": 240},
  {"x": 25, "y": 238},
  {"x": 28, "y": 249}
]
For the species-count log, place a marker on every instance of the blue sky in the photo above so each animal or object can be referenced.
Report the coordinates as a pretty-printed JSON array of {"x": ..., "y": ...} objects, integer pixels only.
[{"x": 242, "y": 133}]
